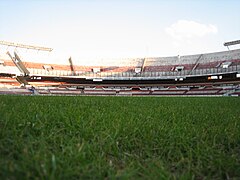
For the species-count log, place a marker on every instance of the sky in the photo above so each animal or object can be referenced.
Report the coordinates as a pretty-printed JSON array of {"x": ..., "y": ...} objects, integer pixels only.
[{"x": 93, "y": 31}]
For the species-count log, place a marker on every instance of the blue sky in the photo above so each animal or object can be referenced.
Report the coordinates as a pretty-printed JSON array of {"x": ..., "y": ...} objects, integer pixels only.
[{"x": 97, "y": 29}]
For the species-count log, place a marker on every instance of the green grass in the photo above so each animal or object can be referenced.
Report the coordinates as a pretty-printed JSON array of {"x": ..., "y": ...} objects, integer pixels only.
[{"x": 119, "y": 137}]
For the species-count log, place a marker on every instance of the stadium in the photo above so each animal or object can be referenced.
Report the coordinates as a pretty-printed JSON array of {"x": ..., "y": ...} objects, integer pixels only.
[
  {"x": 119, "y": 89},
  {"x": 121, "y": 137},
  {"x": 215, "y": 74}
]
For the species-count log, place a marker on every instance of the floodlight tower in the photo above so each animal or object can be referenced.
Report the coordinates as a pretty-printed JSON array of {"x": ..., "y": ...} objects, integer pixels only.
[
  {"x": 19, "y": 45},
  {"x": 231, "y": 43}
]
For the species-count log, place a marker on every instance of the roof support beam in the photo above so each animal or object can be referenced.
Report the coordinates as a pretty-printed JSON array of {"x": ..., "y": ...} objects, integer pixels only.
[
  {"x": 17, "y": 61},
  {"x": 71, "y": 66},
  {"x": 143, "y": 64}
]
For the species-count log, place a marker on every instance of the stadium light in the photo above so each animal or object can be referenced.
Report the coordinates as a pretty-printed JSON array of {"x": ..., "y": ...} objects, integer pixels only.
[
  {"x": 231, "y": 43},
  {"x": 39, "y": 48}
]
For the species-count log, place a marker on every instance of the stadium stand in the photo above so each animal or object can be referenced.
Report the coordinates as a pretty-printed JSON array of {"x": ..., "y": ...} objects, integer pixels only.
[{"x": 176, "y": 75}]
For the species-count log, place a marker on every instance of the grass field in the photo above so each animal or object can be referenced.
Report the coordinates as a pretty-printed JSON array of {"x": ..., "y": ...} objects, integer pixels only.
[{"x": 119, "y": 137}]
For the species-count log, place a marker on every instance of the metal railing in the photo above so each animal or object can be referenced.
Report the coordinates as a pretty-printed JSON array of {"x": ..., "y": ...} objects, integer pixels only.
[{"x": 89, "y": 74}]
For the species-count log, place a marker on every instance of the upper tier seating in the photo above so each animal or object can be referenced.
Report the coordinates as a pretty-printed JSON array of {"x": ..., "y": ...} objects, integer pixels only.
[{"x": 158, "y": 64}]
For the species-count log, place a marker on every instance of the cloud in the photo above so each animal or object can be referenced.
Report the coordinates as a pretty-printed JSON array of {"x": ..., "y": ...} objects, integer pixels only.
[{"x": 184, "y": 29}]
